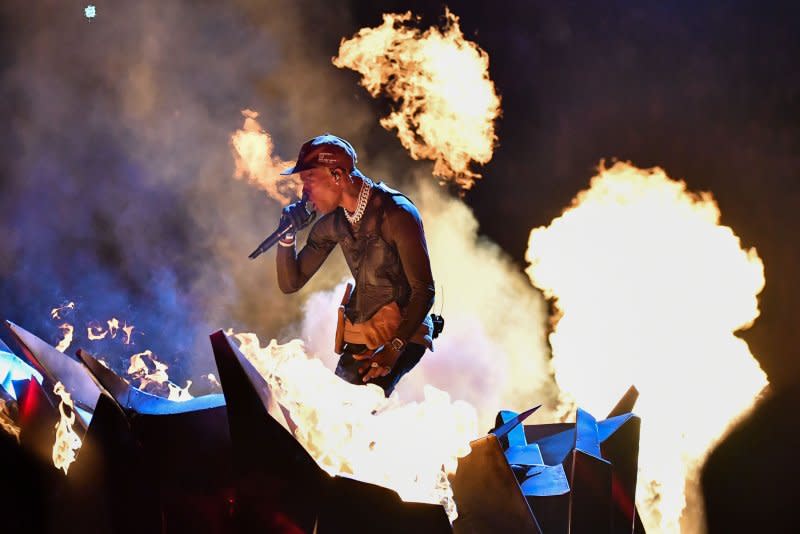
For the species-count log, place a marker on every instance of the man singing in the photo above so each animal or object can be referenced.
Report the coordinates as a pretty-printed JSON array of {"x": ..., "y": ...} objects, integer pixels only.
[{"x": 385, "y": 328}]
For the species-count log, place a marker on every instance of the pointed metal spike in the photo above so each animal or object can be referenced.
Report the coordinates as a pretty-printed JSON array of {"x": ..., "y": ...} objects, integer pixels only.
[
  {"x": 252, "y": 428},
  {"x": 626, "y": 403},
  {"x": 58, "y": 367},
  {"x": 115, "y": 385},
  {"x": 513, "y": 422},
  {"x": 516, "y": 437},
  {"x": 586, "y": 435},
  {"x": 487, "y": 493}
]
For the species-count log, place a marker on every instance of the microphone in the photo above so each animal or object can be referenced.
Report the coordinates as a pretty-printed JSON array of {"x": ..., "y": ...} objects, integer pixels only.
[{"x": 284, "y": 228}]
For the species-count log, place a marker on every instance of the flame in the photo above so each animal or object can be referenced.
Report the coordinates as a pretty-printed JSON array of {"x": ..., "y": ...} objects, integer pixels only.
[
  {"x": 355, "y": 430},
  {"x": 55, "y": 313},
  {"x": 651, "y": 289},
  {"x": 154, "y": 373},
  {"x": 213, "y": 380},
  {"x": 153, "y": 377},
  {"x": 446, "y": 102},
  {"x": 96, "y": 332},
  {"x": 128, "y": 329},
  {"x": 67, "y": 442},
  {"x": 66, "y": 331},
  {"x": 180, "y": 394},
  {"x": 252, "y": 151},
  {"x": 7, "y": 422},
  {"x": 113, "y": 326}
]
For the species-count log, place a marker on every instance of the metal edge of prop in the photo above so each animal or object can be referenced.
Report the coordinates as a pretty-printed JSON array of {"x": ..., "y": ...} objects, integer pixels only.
[
  {"x": 276, "y": 479},
  {"x": 487, "y": 494},
  {"x": 626, "y": 403},
  {"x": 58, "y": 367}
]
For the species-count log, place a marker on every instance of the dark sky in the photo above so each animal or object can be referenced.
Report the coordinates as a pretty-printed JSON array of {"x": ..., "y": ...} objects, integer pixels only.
[{"x": 709, "y": 91}]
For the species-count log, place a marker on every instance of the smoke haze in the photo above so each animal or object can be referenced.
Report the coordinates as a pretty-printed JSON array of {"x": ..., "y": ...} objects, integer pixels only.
[
  {"x": 118, "y": 192},
  {"x": 121, "y": 195}
]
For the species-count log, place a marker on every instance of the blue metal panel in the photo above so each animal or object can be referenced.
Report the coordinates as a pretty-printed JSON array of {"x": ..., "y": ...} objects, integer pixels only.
[
  {"x": 586, "y": 438},
  {"x": 524, "y": 455},
  {"x": 545, "y": 481}
]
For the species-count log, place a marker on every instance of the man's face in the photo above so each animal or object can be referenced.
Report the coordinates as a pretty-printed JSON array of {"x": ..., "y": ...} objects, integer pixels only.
[{"x": 322, "y": 189}]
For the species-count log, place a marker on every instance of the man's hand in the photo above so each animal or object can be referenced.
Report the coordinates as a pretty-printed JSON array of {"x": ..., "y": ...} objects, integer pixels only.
[
  {"x": 297, "y": 215},
  {"x": 379, "y": 362}
]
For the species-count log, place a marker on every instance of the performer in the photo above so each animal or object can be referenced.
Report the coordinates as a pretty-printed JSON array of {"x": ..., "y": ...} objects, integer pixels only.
[{"x": 384, "y": 326}]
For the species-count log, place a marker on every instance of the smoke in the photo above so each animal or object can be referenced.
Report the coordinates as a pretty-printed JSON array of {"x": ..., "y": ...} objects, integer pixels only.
[
  {"x": 119, "y": 192},
  {"x": 252, "y": 149}
]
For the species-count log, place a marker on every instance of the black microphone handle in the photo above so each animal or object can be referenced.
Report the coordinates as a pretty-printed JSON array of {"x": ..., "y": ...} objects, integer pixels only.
[
  {"x": 270, "y": 242},
  {"x": 276, "y": 236}
]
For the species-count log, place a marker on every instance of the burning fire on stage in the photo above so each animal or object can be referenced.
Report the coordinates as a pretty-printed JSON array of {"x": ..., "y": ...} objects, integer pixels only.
[{"x": 574, "y": 399}]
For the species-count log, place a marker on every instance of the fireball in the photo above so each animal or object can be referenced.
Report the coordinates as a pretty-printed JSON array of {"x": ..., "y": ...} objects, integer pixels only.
[{"x": 650, "y": 289}]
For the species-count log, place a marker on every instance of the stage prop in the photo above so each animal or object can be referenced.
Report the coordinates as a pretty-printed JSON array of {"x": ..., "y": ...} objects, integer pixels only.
[
  {"x": 552, "y": 478},
  {"x": 230, "y": 463}
]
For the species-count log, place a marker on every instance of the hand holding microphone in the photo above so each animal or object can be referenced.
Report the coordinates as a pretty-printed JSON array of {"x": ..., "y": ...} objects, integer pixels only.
[
  {"x": 294, "y": 217},
  {"x": 297, "y": 215}
]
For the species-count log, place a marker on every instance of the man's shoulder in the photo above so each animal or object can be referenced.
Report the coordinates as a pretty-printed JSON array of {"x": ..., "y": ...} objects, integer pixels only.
[
  {"x": 399, "y": 211},
  {"x": 396, "y": 202}
]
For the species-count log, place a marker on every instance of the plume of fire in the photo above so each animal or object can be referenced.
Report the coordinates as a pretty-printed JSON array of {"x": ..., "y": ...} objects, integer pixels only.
[
  {"x": 153, "y": 377},
  {"x": 66, "y": 332},
  {"x": 650, "y": 289},
  {"x": 55, "y": 313},
  {"x": 252, "y": 152},
  {"x": 7, "y": 422},
  {"x": 67, "y": 442},
  {"x": 446, "y": 104},
  {"x": 355, "y": 430}
]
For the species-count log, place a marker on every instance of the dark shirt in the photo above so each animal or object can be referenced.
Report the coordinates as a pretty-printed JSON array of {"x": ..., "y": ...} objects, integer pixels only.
[{"x": 386, "y": 252}]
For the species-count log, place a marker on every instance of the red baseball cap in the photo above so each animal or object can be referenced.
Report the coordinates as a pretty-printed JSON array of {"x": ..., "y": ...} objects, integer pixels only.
[{"x": 326, "y": 150}]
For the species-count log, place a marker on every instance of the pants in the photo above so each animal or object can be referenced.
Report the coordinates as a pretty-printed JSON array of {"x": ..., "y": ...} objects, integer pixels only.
[{"x": 347, "y": 368}]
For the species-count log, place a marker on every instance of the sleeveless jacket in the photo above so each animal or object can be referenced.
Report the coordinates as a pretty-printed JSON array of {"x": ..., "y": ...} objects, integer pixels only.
[
  {"x": 374, "y": 263},
  {"x": 373, "y": 258}
]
